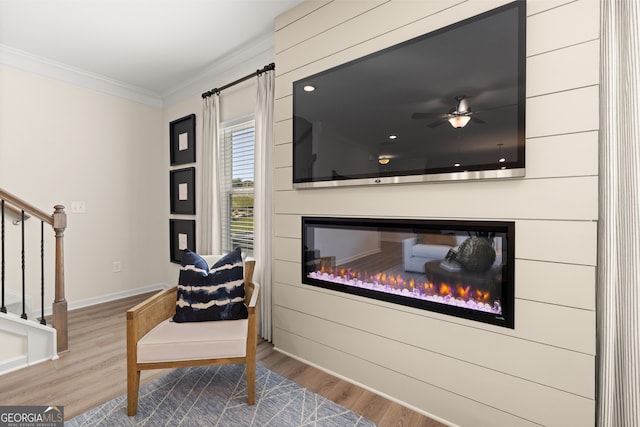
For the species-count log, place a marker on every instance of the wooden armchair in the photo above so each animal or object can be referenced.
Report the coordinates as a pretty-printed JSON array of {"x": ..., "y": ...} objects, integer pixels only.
[{"x": 154, "y": 342}]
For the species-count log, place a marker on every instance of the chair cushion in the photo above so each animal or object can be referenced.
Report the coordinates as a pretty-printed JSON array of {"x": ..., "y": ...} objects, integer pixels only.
[
  {"x": 171, "y": 341},
  {"x": 215, "y": 293}
]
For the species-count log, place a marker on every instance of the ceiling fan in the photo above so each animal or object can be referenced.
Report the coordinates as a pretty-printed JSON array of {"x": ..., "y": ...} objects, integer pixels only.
[{"x": 458, "y": 116}]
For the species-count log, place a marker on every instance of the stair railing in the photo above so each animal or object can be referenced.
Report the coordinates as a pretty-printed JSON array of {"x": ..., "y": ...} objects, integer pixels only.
[{"x": 58, "y": 221}]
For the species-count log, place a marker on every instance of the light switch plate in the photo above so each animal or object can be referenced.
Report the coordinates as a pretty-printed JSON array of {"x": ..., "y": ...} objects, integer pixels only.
[{"x": 78, "y": 207}]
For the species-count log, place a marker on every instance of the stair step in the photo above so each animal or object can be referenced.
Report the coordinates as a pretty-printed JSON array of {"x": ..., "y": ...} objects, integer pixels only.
[{"x": 13, "y": 303}]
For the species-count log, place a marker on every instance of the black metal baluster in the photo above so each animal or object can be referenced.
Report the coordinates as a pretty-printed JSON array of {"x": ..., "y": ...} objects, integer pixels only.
[
  {"x": 2, "y": 306},
  {"x": 42, "y": 321},
  {"x": 24, "y": 314}
]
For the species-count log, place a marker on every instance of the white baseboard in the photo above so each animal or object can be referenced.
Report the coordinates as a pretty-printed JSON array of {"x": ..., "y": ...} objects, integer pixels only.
[
  {"x": 111, "y": 297},
  {"x": 13, "y": 364},
  {"x": 19, "y": 362}
]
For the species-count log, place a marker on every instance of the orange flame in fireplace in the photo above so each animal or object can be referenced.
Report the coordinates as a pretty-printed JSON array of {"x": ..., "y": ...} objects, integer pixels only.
[
  {"x": 482, "y": 296},
  {"x": 428, "y": 288},
  {"x": 398, "y": 282},
  {"x": 463, "y": 292},
  {"x": 445, "y": 289}
]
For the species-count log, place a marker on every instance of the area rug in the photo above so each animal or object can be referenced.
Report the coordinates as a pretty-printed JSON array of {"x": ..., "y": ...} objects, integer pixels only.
[{"x": 217, "y": 396}]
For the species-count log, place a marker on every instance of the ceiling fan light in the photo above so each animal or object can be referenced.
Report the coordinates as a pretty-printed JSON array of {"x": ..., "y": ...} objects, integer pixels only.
[{"x": 459, "y": 121}]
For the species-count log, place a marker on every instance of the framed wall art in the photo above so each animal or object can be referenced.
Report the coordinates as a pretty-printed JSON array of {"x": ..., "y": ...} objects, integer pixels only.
[
  {"x": 182, "y": 184},
  {"x": 182, "y": 138},
  {"x": 182, "y": 235}
]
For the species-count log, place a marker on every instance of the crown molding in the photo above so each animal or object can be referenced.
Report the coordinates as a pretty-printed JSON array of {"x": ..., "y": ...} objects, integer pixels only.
[
  {"x": 252, "y": 56},
  {"x": 25, "y": 61}
]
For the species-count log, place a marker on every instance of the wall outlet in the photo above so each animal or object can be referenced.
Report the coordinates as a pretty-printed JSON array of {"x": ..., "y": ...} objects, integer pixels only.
[
  {"x": 116, "y": 266},
  {"x": 78, "y": 207}
]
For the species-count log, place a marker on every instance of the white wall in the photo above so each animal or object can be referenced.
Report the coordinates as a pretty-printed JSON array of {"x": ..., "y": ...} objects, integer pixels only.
[
  {"x": 67, "y": 136},
  {"x": 346, "y": 245},
  {"x": 464, "y": 372},
  {"x": 61, "y": 143}
]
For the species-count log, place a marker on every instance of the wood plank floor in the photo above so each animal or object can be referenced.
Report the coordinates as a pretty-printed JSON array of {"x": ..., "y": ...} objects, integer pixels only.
[{"x": 93, "y": 371}]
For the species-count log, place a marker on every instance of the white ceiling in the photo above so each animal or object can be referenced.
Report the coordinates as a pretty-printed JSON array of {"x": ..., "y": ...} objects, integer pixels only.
[{"x": 155, "y": 45}]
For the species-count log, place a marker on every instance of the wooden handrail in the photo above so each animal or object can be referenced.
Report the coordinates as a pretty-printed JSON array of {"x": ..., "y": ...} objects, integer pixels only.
[
  {"x": 17, "y": 212},
  {"x": 21, "y": 205},
  {"x": 58, "y": 221}
]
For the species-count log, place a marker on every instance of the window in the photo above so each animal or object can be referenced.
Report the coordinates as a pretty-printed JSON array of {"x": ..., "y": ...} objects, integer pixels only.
[{"x": 237, "y": 143}]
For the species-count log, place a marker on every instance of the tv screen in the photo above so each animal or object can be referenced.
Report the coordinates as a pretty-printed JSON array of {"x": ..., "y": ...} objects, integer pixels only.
[{"x": 448, "y": 105}]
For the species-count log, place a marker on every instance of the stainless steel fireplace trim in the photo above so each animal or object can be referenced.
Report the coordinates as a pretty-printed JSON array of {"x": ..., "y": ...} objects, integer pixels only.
[{"x": 440, "y": 177}]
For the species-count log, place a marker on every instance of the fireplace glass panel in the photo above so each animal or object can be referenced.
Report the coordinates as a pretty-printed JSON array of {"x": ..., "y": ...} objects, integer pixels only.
[{"x": 460, "y": 268}]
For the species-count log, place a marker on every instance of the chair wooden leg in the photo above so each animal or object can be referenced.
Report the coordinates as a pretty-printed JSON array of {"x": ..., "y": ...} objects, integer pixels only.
[
  {"x": 251, "y": 383},
  {"x": 133, "y": 384}
]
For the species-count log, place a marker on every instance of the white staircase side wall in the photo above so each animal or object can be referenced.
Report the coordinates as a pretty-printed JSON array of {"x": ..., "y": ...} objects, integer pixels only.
[
  {"x": 12, "y": 345},
  {"x": 25, "y": 343}
]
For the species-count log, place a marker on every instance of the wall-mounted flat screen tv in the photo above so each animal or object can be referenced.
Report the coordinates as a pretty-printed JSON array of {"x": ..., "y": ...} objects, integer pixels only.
[{"x": 448, "y": 105}]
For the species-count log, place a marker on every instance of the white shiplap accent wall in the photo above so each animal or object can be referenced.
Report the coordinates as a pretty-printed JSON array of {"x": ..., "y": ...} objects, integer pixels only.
[{"x": 464, "y": 372}]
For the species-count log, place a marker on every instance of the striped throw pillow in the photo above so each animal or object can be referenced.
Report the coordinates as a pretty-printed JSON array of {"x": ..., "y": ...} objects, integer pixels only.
[{"x": 210, "y": 293}]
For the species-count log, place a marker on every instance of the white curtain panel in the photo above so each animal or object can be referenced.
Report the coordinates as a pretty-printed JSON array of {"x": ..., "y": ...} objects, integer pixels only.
[
  {"x": 208, "y": 223},
  {"x": 618, "y": 310},
  {"x": 263, "y": 195}
]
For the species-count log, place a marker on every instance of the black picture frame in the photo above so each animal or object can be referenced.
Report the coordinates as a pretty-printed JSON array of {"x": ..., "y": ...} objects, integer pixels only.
[
  {"x": 182, "y": 183},
  {"x": 182, "y": 235},
  {"x": 182, "y": 138}
]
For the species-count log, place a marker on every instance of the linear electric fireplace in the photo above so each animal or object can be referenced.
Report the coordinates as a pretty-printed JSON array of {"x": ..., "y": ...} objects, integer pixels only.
[{"x": 458, "y": 268}]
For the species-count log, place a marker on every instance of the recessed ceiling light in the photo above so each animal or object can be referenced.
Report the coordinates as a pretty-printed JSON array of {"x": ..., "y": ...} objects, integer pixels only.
[
  {"x": 393, "y": 136},
  {"x": 502, "y": 160},
  {"x": 309, "y": 88},
  {"x": 456, "y": 165}
]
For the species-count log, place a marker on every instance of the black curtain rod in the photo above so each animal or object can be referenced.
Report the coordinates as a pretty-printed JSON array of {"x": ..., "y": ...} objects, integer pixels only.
[{"x": 217, "y": 90}]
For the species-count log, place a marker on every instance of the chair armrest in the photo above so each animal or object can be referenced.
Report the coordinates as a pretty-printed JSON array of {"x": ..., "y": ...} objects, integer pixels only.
[
  {"x": 252, "y": 291},
  {"x": 149, "y": 313},
  {"x": 249, "y": 268},
  {"x": 407, "y": 245}
]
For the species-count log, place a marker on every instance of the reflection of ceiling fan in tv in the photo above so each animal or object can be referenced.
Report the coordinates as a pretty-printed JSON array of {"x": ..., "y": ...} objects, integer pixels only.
[{"x": 458, "y": 116}]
